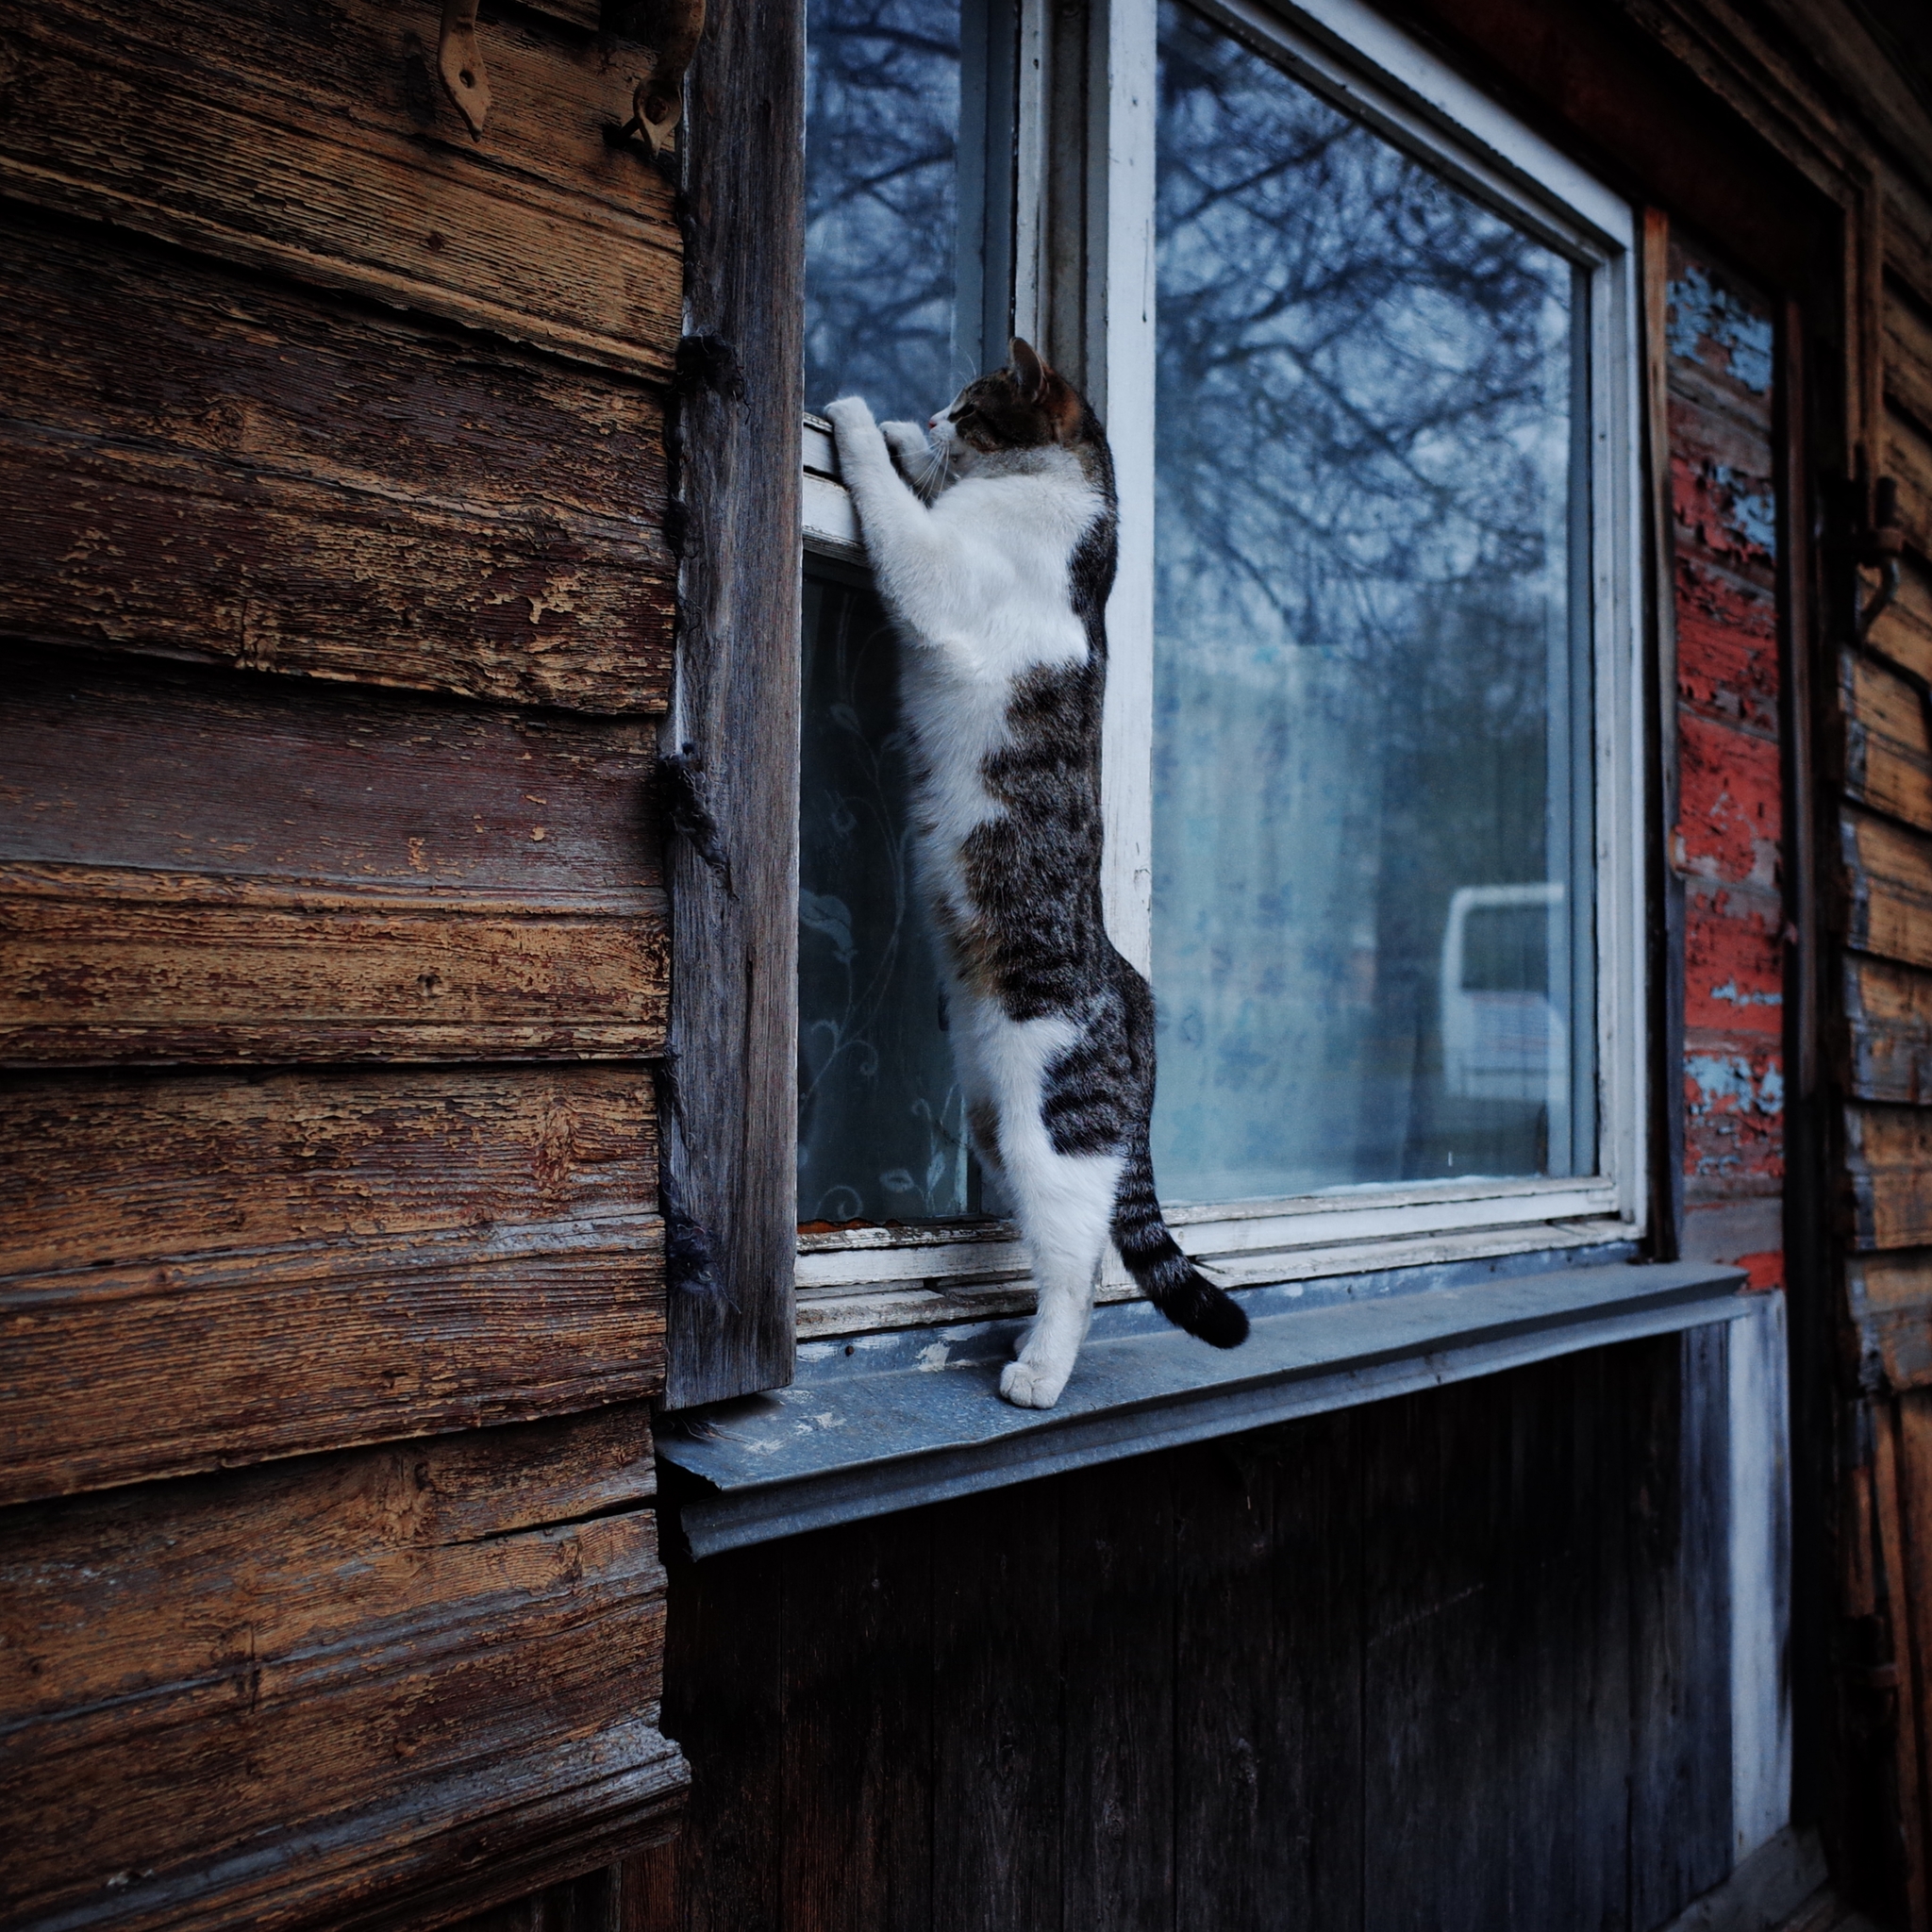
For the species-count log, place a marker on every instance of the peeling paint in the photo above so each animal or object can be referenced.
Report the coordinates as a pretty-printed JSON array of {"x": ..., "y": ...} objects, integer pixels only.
[
  {"x": 1729, "y": 990},
  {"x": 1725, "y": 1083},
  {"x": 1754, "y": 506},
  {"x": 1701, "y": 311},
  {"x": 934, "y": 1357}
]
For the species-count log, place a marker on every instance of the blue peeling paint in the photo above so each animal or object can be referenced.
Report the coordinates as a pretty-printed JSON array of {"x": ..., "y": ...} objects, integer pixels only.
[
  {"x": 1725, "y": 1083},
  {"x": 1701, "y": 311},
  {"x": 1729, "y": 990},
  {"x": 1754, "y": 508}
]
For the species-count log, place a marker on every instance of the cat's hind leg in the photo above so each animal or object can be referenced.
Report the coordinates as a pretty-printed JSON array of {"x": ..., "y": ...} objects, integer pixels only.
[
  {"x": 1062, "y": 1201},
  {"x": 1064, "y": 1206}
]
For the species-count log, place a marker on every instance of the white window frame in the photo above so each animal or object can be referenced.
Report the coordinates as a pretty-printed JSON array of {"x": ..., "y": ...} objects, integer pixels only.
[{"x": 869, "y": 1279}]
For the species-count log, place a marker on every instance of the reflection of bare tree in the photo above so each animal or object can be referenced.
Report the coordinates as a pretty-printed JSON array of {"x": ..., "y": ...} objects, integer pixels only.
[
  {"x": 882, "y": 121},
  {"x": 1355, "y": 366},
  {"x": 1362, "y": 587}
]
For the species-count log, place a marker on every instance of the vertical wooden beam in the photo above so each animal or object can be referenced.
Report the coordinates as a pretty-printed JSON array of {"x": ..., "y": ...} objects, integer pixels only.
[
  {"x": 1665, "y": 887},
  {"x": 730, "y": 1184},
  {"x": 1895, "y": 1564}
]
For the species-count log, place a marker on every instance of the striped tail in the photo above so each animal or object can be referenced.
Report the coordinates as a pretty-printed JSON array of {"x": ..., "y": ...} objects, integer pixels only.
[{"x": 1167, "y": 1277}]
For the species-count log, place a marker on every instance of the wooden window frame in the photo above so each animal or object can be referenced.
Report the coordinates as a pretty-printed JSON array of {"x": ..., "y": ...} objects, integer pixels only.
[{"x": 868, "y": 1279}]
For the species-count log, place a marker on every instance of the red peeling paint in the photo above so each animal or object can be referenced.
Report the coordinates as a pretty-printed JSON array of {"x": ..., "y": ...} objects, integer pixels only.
[
  {"x": 1726, "y": 646},
  {"x": 1733, "y": 964},
  {"x": 1729, "y": 820},
  {"x": 1762, "y": 1272}
]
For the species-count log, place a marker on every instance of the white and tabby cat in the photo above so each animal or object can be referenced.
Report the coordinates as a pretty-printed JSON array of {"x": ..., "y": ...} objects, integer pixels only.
[{"x": 995, "y": 561}]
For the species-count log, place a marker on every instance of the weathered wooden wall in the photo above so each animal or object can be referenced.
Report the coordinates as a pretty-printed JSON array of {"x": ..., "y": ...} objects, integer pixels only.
[
  {"x": 1458, "y": 1660},
  {"x": 333, "y": 954},
  {"x": 1882, "y": 743}
]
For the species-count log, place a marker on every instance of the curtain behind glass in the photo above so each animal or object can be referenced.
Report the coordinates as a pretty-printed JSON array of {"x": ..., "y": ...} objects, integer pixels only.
[{"x": 1372, "y": 918}]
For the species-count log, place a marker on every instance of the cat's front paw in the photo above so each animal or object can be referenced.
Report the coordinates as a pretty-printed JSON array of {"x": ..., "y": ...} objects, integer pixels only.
[
  {"x": 851, "y": 421},
  {"x": 1029, "y": 1385}
]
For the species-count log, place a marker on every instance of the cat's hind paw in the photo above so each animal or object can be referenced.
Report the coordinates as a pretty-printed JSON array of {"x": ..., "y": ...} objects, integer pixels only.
[{"x": 1027, "y": 1385}]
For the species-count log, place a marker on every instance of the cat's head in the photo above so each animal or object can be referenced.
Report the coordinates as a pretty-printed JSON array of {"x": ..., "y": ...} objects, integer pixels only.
[{"x": 1027, "y": 406}]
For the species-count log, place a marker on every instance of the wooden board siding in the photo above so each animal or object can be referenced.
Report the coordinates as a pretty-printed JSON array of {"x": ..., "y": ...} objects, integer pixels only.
[
  {"x": 325, "y": 489},
  {"x": 204, "y": 1270},
  {"x": 1456, "y": 1661},
  {"x": 1727, "y": 844},
  {"x": 334, "y": 956},
  {"x": 323, "y": 1680},
  {"x": 320, "y": 144}
]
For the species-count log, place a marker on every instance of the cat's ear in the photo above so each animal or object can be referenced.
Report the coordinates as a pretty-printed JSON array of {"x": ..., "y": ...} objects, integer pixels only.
[{"x": 1031, "y": 372}]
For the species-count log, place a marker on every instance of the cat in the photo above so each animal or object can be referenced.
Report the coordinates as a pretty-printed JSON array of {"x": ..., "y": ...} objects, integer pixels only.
[{"x": 993, "y": 543}]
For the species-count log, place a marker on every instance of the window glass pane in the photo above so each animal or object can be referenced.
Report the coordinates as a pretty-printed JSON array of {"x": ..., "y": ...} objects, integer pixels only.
[
  {"x": 1372, "y": 930},
  {"x": 883, "y": 192},
  {"x": 880, "y": 1128},
  {"x": 908, "y": 140}
]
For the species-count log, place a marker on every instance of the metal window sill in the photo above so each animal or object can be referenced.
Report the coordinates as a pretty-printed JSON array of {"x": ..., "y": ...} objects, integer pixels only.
[{"x": 835, "y": 1448}]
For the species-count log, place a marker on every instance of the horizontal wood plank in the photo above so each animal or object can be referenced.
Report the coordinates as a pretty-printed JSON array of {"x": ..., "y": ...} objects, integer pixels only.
[
  {"x": 1888, "y": 763},
  {"x": 99, "y": 968},
  {"x": 205, "y": 1270},
  {"x": 1887, "y": 1038},
  {"x": 1907, "y": 354},
  {"x": 1885, "y": 888},
  {"x": 1890, "y": 1298},
  {"x": 312, "y": 488},
  {"x": 295, "y": 789},
  {"x": 339, "y": 1682},
  {"x": 1908, "y": 458},
  {"x": 117, "y": 1376},
  {"x": 318, "y": 142},
  {"x": 115, "y": 1170},
  {"x": 1889, "y": 1169}
]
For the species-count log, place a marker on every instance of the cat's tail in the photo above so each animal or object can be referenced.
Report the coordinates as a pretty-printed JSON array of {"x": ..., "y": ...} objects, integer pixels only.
[{"x": 1153, "y": 1259}]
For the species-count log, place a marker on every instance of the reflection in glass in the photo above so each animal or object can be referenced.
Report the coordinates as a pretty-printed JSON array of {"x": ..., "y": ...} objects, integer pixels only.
[
  {"x": 881, "y": 1135},
  {"x": 1373, "y": 900},
  {"x": 899, "y": 94}
]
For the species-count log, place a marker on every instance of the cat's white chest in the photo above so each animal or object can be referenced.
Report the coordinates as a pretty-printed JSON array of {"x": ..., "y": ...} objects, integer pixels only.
[{"x": 999, "y": 607}]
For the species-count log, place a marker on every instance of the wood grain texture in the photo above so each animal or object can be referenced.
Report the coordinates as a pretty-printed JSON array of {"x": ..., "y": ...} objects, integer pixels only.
[
  {"x": 1886, "y": 1049},
  {"x": 1117, "y": 1611},
  {"x": 1886, "y": 762},
  {"x": 95, "y": 969},
  {"x": 1907, "y": 352},
  {"x": 319, "y": 142},
  {"x": 413, "y": 1650},
  {"x": 1271, "y": 1813},
  {"x": 723, "y": 1681},
  {"x": 1679, "y": 1483},
  {"x": 1891, "y": 1302},
  {"x": 293, "y": 484},
  {"x": 1886, "y": 890},
  {"x": 998, "y": 1712},
  {"x": 275, "y": 788},
  {"x": 116, "y": 1169},
  {"x": 1908, "y": 459},
  {"x": 202, "y": 1270},
  {"x": 1889, "y": 1177},
  {"x": 855, "y": 1773},
  {"x": 730, "y": 1150}
]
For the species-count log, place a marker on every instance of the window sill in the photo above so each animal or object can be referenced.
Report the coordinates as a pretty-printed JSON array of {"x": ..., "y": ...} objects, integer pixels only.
[{"x": 851, "y": 1439}]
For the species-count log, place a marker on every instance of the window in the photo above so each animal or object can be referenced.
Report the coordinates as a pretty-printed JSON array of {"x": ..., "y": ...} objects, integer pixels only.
[{"x": 1365, "y": 351}]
